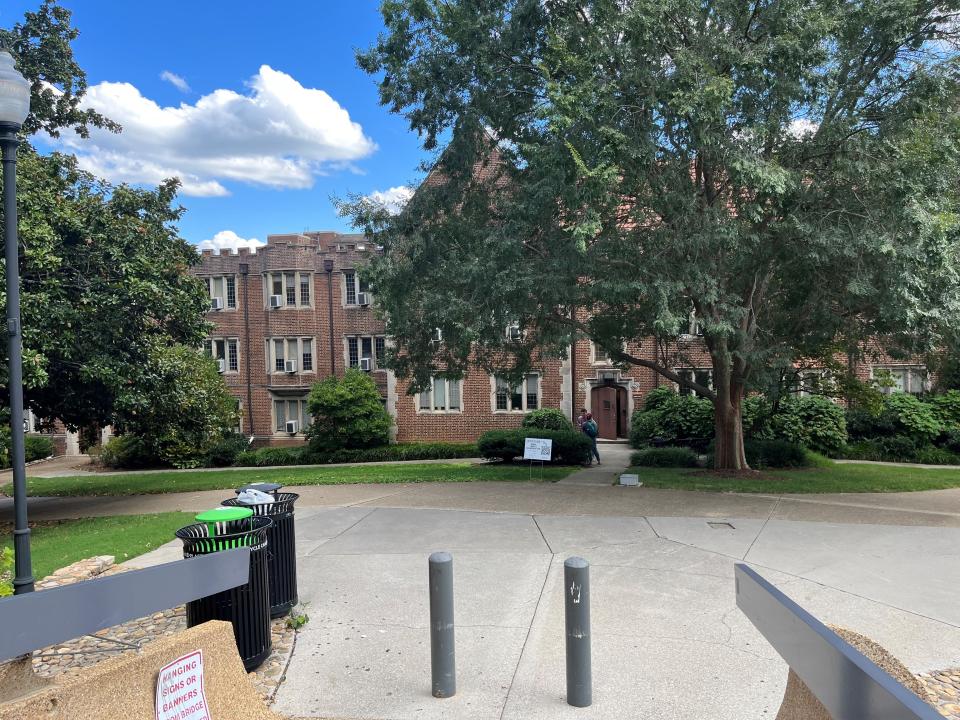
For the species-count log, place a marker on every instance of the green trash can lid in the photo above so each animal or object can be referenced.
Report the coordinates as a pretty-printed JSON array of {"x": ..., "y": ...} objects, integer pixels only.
[
  {"x": 268, "y": 488},
  {"x": 224, "y": 514}
]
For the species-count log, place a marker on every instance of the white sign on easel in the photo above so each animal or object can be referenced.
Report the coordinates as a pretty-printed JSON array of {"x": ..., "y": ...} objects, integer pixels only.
[
  {"x": 537, "y": 449},
  {"x": 180, "y": 694}
]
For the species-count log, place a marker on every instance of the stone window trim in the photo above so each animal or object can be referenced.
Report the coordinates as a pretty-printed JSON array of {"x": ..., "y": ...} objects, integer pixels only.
[
  {"x": 285, "y": 407},
  {"x": 282, "y": 348},
  {"x": 910, "y": 378},
  {"x": 365, "y": 346},
  {"x": 294, "y": 286},
  {"x": 702, "y": 375},
  {"x": 352, "y": 285},
  {"x": 599, "y": 356},
  {"x": 444, "y": 397},
  {"x": 529, "y": 396},
  {"x": 226, "y": 349},
  {"x": 223, "y": 287}
]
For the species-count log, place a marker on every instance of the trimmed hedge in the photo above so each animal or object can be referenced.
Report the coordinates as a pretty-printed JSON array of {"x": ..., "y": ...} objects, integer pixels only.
[
  {"x": 775, "y": 454},
  {"x": 569, "y": 446},
  {"x": 900, "y": 448},
  {"x": 265, "y": 457},
  {"x": 224, "y": 452},
  {"x": 664, "y": 457},
  {"x": 37, "y": 447},
  {"x": 548, "y": 419},
  {"x": 129, "y": 452}
]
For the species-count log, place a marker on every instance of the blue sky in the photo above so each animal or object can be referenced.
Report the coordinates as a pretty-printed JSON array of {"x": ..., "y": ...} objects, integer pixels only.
[{"x": 260, "y": 150}]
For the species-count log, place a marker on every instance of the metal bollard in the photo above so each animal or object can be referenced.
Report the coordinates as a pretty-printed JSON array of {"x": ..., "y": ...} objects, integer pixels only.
[
  {"x": 442, "y": 656},
  {"x": 576, "y": 584}
]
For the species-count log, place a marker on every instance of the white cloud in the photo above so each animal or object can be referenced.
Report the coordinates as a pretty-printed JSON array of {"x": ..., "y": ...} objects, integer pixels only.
[
  {"x": 228, "y": 240},
  {"x": 177, "y": 81},
  {"x": 280, "y": 134},
  {"x": 393, "y": 199}
]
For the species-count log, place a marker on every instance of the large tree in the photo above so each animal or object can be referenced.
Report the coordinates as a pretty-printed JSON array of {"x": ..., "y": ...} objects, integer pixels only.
[
  {"x": 106, "y": 287},
  {"x": 788, "y": 170}
]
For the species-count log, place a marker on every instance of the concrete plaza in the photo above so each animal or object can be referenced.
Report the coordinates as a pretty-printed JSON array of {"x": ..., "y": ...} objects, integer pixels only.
[{"x": 668, "y": 640}]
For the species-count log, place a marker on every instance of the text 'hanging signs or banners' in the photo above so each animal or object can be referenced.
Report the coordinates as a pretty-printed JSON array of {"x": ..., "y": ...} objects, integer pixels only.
[
  {"x": 537, "y": 449},
  {"x": 180, "y": 694}
]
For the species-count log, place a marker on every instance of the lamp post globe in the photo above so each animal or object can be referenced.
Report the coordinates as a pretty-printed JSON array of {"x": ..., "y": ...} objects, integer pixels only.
[{"x": 14, "y": 107}]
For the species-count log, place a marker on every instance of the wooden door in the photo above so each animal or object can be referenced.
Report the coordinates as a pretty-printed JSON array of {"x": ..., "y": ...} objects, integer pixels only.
[{"x": 604, "y": 402}]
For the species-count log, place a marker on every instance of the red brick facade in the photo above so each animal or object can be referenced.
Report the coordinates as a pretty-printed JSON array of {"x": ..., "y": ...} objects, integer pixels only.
[{"x": 301, "y": 268}]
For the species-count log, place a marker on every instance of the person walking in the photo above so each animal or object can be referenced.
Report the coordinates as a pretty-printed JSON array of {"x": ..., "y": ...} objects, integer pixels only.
[{"x": 591, "y": 430}]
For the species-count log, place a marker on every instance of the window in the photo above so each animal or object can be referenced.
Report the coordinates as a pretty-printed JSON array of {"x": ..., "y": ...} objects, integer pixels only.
[
  {"x": 372, "y": 347},
  {"x": 285, "y": 409},
  {"x": 281, "y": 350},
  {"x": 223, "y": 288},
  {"x": 908, "y": 379},
  {"x": 520, "y": 398},
  {"x": 701, "y": 376},
  {"x": 443, "y": 395},
  {"x": 286, "y": 285},
  {"x": 353, "y": 285},
  {"x": 307, "y": 354},
  {"x": 813, "y": 382},
  {"x": 223, "y": 349}
]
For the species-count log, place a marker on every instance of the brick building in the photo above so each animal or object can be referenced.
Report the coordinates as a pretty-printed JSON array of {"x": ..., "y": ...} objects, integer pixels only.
[{"x": 295, "y": 312}]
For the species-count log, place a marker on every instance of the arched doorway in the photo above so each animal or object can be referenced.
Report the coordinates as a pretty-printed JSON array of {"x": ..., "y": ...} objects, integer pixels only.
[{"x": 609, "y": 408}]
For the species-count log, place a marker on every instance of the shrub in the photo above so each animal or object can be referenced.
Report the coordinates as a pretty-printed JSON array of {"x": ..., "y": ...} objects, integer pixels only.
[
  {"x": 670, "y": 417},
  {"x": 400, "y": 451},
  {"x": 814, "y": 422},
  {"x": 947, "y": 408},
  {"x": 569, "y": 446},
  {"x": 757, "y": 415},
  {"x": 950, "y": 440},
  {"x": 862, "y": 424},
  {"x": 128, "y": 452},
  {"x": 913, "y": 417},
  {"x": 224, "y": 452},
  {"x": 931, "y": 455},
  {"x": 775, "y": 454},
  {"x": 347, "y": 413},
  {"x": 548, "y": 419},
  {"x": 664, "y": 457},
  {"x": 899, "y": 448},
  {"x": 37, "y": 447},
  {"x": 6, "y": 572}
]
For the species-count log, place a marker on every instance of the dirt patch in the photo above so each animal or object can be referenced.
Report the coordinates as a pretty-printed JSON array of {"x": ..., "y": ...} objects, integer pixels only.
[{"x": 736, "y": 475}]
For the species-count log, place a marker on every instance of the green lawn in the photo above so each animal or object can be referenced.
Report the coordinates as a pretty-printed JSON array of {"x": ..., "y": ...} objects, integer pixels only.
[
  {"x": 56, "y": 545},
  {"x": 167, "y": 482},
  {"x": 833, "y": 478}
]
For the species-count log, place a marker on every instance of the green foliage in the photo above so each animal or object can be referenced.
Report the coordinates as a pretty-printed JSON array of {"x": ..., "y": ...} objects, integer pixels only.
[
  {"x": 37, "y": 447},
  {"x": 6, "y": 572},
  {"x": 947, "y": 408},
  {"x": 128, "y": 452},
  {"x": 659, "y": 397},
  {"x": 913, "y": 417},
  {"x": 775, "y": 454},
  {"x": 664, "y": 457},
  {"x": 185, "y": 408},
  {"x": 814, "y": 422},
  {"x": 298, "y": 616},
  {"x": 569, "y": 446},
  {"x": 673, "y": 418},
  {"x": 930, "y": 455},
  {"x": 548, "y": 419},
  {"x": 347, "y": 413},
  {"x": 264, "y": 457},
  {"x": 224, "y": 451},
  {"x": 4, "y": 446},
  {"x": 903, "y": 449},
  {"x": 788, "y": 174}
]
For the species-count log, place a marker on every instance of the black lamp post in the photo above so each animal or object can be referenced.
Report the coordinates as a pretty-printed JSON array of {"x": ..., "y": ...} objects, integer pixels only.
[{"x": 14, "y": 107}]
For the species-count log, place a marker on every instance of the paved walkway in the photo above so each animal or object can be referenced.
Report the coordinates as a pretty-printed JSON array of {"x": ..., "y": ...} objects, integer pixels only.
[{"x": 668, "y": 640}]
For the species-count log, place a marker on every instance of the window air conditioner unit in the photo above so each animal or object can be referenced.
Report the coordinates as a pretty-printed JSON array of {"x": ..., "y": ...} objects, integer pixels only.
[
  {"x": 290, "y": 366},
  {"x": 436, "y": 336},
  {"x": 365, "y": 364},
  {"x": 363, "y": 299},
  {"x": 293, "y": 427},
  {"x": 513, "y": 332},
  {"x": 216, "y": 303},
  {"x": 221, "y": 365},
  {"x": 276, "y": 301}
]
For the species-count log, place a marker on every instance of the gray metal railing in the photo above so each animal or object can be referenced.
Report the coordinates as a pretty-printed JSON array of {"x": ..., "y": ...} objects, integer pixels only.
[
  {"x": 47, "y": 617},
  {"x": 848, "y": 684}
]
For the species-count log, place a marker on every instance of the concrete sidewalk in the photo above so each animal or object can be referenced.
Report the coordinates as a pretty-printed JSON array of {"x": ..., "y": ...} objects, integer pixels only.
[{"x": 668, "y": 640}]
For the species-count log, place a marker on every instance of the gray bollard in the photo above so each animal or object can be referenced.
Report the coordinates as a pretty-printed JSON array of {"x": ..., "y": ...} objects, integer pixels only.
[
  {"x": 442, "y": 656},
  {"x": 576, "y": 585}
]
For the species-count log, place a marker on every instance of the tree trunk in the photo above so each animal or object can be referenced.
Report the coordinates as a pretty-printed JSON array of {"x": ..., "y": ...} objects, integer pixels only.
[{"x": 728, "y": 418}]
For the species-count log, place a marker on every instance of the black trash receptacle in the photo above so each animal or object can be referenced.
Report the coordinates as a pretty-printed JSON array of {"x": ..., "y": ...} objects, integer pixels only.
[
  {"x": 269, "y": 488},
  {"x": 247, "y": 607},
  {"x": 282, "y": 552}
]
